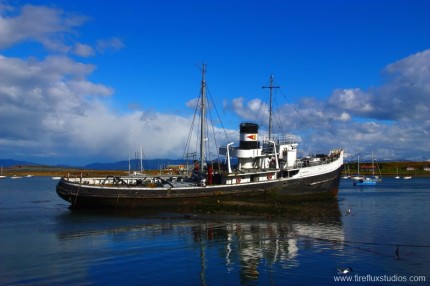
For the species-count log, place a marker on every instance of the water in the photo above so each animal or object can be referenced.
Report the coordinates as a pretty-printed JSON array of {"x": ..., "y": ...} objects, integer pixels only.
[{"x": 42, "y": 242}]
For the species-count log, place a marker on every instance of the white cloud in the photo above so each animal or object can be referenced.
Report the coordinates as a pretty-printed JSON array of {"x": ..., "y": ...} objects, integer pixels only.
[
  {"x": 252, "y": 110},
  {"x": 53, "y": 28},
  {"x": 56, "y": 111},
  {"x": 53, "y": 110},
  {"x": 110, "y": 45},
  {"x": 393, "y": 118},
  {"x": 37, "y": 23},
  {"x": 50, "y": 108},
  {"x": 40, "y": 99},
  {"x": 83, "y": 50},
  {"x": 403, "y": 96}
]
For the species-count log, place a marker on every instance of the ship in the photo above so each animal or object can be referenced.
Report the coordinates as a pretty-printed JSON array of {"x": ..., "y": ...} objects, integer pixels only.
[{"x": 263, "y": 168}]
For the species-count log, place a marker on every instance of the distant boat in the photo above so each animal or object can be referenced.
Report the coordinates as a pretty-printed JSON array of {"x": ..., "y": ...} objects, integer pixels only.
[
  {"x": 266, "y": 168},
  {"x": 397, "y": 176},
  {"x": 374, "y": 177},
  {"x": 365, "y": 182},
  {"x": 357, "y": 177},
  {"x": 368, "y": 181},
  {"x": 347, "y": 173},
  {"x": 1, "y": 173},
  {"x": 407, "y": 177},
  {"x": 29, "y": 176},
  {"x": 56, "y": 178},
  {"x": 15, "y": 177}
]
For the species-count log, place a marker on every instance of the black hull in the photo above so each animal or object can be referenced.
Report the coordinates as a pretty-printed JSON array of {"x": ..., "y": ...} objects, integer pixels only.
[{"x": 309, "y": 188}]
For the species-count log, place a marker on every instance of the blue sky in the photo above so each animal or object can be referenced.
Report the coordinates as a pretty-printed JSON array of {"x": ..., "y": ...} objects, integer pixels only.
[{"x": 86, "y": 81}]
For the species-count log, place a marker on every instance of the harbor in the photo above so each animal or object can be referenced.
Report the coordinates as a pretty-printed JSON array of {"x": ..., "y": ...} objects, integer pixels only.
[
  {"x": 387, "y": 169},
  {"x": 368, "y": 230}
]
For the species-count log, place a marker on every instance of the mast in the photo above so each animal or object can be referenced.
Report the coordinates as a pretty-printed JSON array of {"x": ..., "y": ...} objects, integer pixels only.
[
  {"x": 202, "y": 119},
  {"x": 358, "y": 163},
  {"x": 270, "y": 106},
  {"x": 141, "y": 159}
]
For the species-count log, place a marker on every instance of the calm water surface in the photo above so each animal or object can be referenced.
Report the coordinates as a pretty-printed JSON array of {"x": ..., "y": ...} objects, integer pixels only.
[{"x": 386, "y": 234}]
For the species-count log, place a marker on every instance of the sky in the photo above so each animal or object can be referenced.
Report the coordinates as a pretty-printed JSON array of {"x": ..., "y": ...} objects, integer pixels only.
[{"x": 98, "y": 81}]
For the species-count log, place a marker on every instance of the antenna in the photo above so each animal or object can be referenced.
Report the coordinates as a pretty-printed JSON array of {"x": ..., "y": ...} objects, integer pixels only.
[{"x": 270, "y": 108}]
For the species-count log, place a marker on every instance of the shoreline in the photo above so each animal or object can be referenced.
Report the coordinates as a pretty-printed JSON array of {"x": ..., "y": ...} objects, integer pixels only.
[{"x": 389, "y": 170}]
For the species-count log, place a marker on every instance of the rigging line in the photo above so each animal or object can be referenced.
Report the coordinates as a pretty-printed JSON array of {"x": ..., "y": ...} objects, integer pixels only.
[
  {"x": 296, "y": 110},
  {"x": 262, "y": 113},
  {"x": 269, "y": 105},
  {"x": 212, "y": 123},
  {"x": 278, "y": 114},
  {"x": 213, "y": 132},
  {"x": 190, "y": 133},
  {"x": 206, "y": 135},
  {"x": 216, "y": 111}
]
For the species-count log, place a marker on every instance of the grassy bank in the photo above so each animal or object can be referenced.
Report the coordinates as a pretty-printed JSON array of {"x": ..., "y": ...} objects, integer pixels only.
[
  {"x": 390, "y": 169},
  {"x": 53, "y": 171},
  {"x": 381, "y": 168}
]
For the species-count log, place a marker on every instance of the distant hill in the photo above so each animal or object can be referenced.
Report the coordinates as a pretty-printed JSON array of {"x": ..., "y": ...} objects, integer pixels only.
[
  {"x": 11, "y": 163},
  {"x": 154, "y": 164}
]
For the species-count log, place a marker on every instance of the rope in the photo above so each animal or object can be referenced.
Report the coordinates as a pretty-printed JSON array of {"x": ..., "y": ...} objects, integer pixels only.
[{"x": 368, "y": 243}]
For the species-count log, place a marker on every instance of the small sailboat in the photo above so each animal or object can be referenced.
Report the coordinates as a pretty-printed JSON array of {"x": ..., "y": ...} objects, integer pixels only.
[
  {"x": 1, "y": 173},
  {"x": 347, "y": 174},
  {"x": 368, "y": 181},
  {"x": 365, "y": 182},
  {"x": 357, "y": 177},
  {"x": 397, "y": 174}
]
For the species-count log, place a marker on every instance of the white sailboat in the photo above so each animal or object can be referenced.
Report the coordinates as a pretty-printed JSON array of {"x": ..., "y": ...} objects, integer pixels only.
[
  {"x": 357, "y": 177},
  {"x": 347, "y": 174},
  {"x": 397, "y": 174},
  {"x": 368, "y": 181},
  {"x": 1, "y": 174}
]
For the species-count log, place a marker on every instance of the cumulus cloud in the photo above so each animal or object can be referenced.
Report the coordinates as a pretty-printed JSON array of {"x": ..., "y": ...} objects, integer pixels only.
[
  {"x": 392, "y": 119},
  {"x": 50, "y": 108},
  {"x": 55, "y": 29},
  {"x": 37, "y": 23},
  {"x": 83, "y": 50},
  {"x": 110, "y": 45},
  {"x": 403, "y": 96},
  {"x": 37, "y": 97},
  {"x": 53, "y": 110}
]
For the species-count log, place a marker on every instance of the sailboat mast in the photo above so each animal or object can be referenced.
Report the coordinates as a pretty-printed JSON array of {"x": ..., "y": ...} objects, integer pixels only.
[
  {"x": 141, "y": 159},
  {"x": 358, "y": 164},
  {"x": 203, "y": 119},
  {"x": 270, "y": 105}
]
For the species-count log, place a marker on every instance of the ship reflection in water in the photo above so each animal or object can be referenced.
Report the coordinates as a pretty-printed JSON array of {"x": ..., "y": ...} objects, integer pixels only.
[
  {"x": 248, "y": 245},
  {"x": 206, "y": 249}
]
